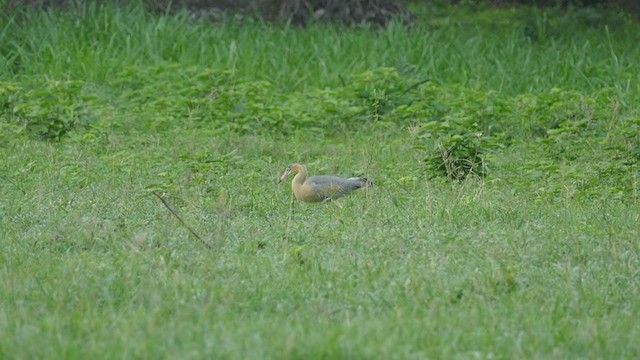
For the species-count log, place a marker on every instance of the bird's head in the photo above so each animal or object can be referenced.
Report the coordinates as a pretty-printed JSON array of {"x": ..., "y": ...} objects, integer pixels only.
[{"x": 290, "y": 169}]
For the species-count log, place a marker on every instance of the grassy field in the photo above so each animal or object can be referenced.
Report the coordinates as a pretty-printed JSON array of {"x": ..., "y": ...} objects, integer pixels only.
[{"x": 505, "y": 223}]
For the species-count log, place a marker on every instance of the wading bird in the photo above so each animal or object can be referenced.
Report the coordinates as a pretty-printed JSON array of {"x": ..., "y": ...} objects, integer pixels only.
[{"x": 321, "y": 188}]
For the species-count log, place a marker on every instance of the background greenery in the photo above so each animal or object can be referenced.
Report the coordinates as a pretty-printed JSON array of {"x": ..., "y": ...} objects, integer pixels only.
[{"x": 504, "y": 144}]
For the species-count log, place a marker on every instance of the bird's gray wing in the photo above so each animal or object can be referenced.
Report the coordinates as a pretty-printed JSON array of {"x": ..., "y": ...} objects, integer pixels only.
[{"x": 333, "y": 187}]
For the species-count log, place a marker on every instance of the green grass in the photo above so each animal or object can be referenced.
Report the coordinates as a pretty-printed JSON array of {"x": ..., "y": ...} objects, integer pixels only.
[
  {"x": 490, "y": 50},
  {"x": 537, "y": 259}
]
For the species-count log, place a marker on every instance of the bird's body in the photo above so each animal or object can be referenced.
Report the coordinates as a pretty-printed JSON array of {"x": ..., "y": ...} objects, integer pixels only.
[{"x": 321, "y": 188}]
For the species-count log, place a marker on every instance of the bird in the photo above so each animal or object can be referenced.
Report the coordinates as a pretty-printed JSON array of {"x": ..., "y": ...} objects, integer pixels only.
[{"x": 321, "y": 188}]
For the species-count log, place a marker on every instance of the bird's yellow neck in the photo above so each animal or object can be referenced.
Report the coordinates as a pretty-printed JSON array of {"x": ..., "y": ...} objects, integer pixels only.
[
  {"x": 298, "y": 181},
  {"x": 300, "y": 177}
]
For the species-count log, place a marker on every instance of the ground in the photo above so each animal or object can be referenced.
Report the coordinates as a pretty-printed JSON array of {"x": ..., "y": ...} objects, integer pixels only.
[{"x": 504, "y": 222}]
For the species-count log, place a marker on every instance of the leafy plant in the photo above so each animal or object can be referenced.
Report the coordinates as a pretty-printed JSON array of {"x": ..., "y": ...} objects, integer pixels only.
[
  {"x": 48, "y": 111},
  {"x": 455, "y": 148},
  {"x": 455, "y": 128}
]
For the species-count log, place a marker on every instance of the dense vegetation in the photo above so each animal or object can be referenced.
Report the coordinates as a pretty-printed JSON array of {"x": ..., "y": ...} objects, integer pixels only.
[{"x": 504, "y": 144}]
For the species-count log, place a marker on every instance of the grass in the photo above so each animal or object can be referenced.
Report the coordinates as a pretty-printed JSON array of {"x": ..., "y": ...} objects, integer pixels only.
[
  {"x": 565, "y": 51},
  {"x": 538, "y": 259}
]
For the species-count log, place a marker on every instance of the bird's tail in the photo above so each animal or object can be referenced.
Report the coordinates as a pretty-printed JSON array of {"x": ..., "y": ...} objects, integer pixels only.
[{"x": 364, "y": 182}]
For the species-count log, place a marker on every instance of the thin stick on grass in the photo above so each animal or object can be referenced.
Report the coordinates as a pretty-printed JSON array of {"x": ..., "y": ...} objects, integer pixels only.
[
  {"x": 164, "y": 202},
  {"x": 415, "y": 86}
]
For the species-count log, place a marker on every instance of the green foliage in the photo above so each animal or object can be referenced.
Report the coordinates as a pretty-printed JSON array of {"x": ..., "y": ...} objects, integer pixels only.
[
  {"x": 458, "y": 151},
  {"x": 554, "y": 112},
  {"x": 480, "y": 49},
  {"x": 630, "y": 139},
  {"x": 455, "y": 127},
  {"x": 458, "y": 131},
  {"x": 48, "y": 109},
  {"x": 506, "y": 204}
]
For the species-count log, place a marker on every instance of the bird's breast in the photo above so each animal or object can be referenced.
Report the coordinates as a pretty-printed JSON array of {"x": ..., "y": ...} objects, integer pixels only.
[{"x": 307, "y": 193}]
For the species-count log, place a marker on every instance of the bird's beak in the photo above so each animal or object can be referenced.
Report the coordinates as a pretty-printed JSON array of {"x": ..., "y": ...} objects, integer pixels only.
[{"x": 284, "y": 176}]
